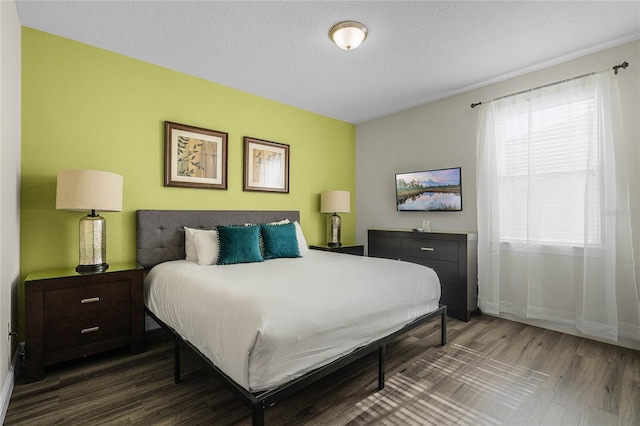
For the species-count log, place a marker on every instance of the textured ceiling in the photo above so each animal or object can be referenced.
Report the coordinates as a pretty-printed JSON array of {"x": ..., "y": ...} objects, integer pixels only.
[{"x": 416, "y": 51}]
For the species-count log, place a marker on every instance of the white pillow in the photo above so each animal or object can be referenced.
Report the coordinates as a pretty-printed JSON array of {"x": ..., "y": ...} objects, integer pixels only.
[
  {"x": 207, "y": 246},
  {"x": 189, "y": 244},
  {"x": 302, "y": 243}
]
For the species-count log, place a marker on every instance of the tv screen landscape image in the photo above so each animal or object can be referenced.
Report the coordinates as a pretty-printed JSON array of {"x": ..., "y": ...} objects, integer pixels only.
[{"x": 429, "y": 190}]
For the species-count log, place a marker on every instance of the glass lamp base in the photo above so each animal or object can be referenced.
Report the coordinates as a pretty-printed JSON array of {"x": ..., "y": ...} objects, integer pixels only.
[
  {"x": 91, "y": 269},
  {"x": 93, "y": 244},
  {"x": 334, "y": 231}
]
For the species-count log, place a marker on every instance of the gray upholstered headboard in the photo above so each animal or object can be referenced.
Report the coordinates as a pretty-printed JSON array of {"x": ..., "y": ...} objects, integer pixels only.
[{"x": 160, "y": 233}]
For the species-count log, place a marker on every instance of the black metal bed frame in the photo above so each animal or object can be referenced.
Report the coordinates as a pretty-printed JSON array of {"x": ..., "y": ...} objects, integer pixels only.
[
  {"x": 260, "y": 401},
  {"x": 160, "y": 238}
]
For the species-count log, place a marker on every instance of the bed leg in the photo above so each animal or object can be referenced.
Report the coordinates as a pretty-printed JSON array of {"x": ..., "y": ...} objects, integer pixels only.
[
  {"x": 382, "y": 365},
  {"x": 443, "y": 328},
  {"x": 176, "y": 360},
  {"x": 257, "y": 415}
]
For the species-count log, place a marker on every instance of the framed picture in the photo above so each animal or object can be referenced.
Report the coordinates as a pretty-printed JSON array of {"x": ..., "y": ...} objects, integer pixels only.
[
  {"x": 194, "y": 157},
  {"x": 429, "y": 190},
  {"x": 266, "y": 166}
]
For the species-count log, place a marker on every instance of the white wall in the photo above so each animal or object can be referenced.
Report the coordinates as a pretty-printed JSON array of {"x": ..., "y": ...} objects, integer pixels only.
[
  {"x": 443, "y": 134},
  {"x": 10, "y": 70}
]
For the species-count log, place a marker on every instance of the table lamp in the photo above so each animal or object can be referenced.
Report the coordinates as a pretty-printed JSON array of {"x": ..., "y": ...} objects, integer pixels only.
[
  {"x": 82, "y": 190},
  {"x": 335, "y": 202}
]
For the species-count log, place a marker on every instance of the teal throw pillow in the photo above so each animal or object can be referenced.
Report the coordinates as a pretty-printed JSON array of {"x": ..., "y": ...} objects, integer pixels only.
[
  {"x": 239, "y": 244},
  {"x": 280, "y": 241}
]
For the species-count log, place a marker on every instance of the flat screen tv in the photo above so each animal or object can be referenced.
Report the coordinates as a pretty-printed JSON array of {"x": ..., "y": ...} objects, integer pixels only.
[{"x": 430, "y": 190}]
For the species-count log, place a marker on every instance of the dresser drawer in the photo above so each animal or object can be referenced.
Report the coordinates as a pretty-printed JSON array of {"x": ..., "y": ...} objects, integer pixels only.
[
  {"x": 384, "y": 246},
  {"x": 78, "y": 331},
  {"x": 429, "y": 249},
  {"x": 447, "y": 271},
  {"x": 87, "y": 301}
]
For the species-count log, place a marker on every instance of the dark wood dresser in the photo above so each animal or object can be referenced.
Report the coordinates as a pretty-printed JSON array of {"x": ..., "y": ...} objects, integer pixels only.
[
  {"x": 453, "y": 255},
  {"x": 70, "y": 315}
]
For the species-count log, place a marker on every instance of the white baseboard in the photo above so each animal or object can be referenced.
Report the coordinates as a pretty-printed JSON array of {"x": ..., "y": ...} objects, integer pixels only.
[
  {"x": 7, "y": 388},
  {"x": 569, "y": 329}
]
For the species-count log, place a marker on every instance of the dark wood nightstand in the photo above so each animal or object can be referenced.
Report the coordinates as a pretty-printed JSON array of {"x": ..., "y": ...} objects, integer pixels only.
[
  {"x": 356, "y": 250},
  {"x": 70, "y": 315}
]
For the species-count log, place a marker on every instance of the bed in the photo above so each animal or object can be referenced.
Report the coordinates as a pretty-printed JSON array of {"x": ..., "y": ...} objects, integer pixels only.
[{"x": 269, "y": 328}]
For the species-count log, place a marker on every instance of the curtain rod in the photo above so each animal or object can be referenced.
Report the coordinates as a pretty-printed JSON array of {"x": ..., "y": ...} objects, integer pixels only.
[{"x": 623, "y": 65}]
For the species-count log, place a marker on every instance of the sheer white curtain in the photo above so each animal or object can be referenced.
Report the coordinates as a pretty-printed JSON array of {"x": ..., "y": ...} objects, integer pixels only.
[{"x": 554, "y": 222}]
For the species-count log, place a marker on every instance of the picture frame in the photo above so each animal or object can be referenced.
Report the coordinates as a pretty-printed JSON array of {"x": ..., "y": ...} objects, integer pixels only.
[
  {"x": 266, "y": 166},
  {"x": 430, "y": 190},
  {"x": 195, "y": 157}
]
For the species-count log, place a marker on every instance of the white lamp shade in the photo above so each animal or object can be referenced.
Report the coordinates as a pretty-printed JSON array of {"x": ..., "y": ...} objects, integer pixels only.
[
  {"x": 84, "y": 190},
  {"x": 348, "y": 35},
  {"x": 335, "y": 202}
]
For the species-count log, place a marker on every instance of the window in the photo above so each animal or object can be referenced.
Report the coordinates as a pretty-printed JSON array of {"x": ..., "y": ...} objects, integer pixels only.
[
  {"x": 548, "y": 167},
  {"x": 551, "y": 169}
]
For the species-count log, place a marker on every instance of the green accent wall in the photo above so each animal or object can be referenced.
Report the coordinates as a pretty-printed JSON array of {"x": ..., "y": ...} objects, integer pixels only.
[{"x": 88, "y": 108}]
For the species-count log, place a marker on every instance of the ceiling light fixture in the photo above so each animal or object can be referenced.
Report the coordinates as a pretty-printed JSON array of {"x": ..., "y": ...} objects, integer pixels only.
[{"x": 348, "y": 35}]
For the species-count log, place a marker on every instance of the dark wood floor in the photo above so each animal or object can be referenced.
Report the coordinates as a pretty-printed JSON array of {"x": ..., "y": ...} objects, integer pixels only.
[{"x": 491, "y": 372}]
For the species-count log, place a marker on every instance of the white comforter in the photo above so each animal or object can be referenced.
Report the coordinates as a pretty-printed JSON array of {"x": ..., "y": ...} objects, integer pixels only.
[{"x": 266, "y": 323}]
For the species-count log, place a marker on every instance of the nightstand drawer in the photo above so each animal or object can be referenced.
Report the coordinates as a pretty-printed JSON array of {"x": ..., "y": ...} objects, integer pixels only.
[
  {"x": 72, "y": 332},
  {"x": 430, "y": 249},
  {"x": 87, "y": 301}
]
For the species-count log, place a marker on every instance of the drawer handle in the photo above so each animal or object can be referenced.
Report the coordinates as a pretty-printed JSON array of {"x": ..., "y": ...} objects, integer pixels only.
[
  {"x": 91, "y": 300},
  {"x": 427, "y": 249},
  {"x": 90, "y": 330}
]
